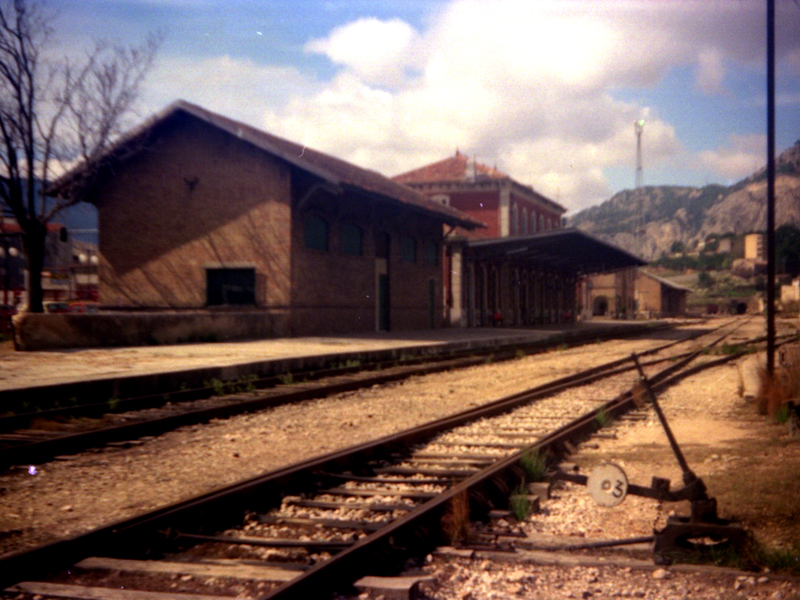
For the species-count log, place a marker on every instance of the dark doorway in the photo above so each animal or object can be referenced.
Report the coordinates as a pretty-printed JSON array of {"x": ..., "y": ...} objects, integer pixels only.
[
  {"x": 600, "y": 306},
  {"x": 383, "y": 302},
  {"x": 230, "y": 286}
]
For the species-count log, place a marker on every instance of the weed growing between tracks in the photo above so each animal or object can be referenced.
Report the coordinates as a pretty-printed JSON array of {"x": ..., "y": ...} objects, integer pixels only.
[
  {"x": 455, "y": 522},
  {"x": 602, "y": 419},
  {"x": 243, "y": 384},
  {"x": 520, "y": 504},
  {"x": 535, "y": 464}
]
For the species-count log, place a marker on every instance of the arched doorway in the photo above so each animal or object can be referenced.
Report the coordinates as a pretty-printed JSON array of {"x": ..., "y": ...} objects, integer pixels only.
[{"x": 600, "y": 306}]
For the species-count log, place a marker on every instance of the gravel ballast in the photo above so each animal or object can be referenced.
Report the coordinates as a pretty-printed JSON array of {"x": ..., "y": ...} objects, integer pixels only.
[{"x": 43, "y": 503}]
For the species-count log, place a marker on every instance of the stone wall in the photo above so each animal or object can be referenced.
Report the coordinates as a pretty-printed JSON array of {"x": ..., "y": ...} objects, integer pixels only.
[{"x": 42, "y": 331}]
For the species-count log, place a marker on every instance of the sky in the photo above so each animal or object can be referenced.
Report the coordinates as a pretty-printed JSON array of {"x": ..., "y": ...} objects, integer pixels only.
[{"x": 547, "y": 91}]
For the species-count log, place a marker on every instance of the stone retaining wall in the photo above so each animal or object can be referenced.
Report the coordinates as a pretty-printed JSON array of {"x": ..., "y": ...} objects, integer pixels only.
[{"x": 58, "y": 331}]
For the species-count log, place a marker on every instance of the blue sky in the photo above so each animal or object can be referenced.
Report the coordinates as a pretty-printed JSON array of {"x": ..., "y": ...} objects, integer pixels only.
[{"x": 546, "y": 90}]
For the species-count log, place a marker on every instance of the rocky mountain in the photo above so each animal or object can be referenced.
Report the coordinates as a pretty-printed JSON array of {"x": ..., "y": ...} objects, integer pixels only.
[{"x": 663, "y": 215}]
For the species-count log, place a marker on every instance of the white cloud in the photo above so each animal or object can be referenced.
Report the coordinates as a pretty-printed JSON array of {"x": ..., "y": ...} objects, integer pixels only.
[
  {"x": 710, "y": 72},
  {"x": 742, "y": 156},
  {"x": 379, "y": 51},
  {"x": 530, "y": 85},
  {"x": 527, "y": 85},
  {"x": 238, "y": 88}
]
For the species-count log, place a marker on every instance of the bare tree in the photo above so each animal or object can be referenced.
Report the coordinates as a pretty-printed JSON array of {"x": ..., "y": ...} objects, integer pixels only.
[{"x": 56, "y": 113}]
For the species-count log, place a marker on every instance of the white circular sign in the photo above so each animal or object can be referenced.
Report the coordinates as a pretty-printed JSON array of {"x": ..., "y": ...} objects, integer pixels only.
[{"x": 607, "y": 485}]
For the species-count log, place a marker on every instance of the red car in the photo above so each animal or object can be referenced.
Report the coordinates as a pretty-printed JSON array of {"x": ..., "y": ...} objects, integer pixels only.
[{"x": 6, "y": 312}]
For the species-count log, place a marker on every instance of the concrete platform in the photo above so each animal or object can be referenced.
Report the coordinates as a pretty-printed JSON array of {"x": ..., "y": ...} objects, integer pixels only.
[{"x": 122, "y": 372}]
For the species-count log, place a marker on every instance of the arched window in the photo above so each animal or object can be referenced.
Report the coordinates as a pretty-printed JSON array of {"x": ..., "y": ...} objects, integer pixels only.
[
  {"x": 533, "y": 222},
  {"x": 408, "y": 249},
  {"x": 430, "y": 253},
  {"x": 524, "y": 221},
  {"x": 514, "y": 219},
  {"x": 541, "y": 222},
  {"x": 352, "y": 239},
  {"x": 315, "y": 233}
]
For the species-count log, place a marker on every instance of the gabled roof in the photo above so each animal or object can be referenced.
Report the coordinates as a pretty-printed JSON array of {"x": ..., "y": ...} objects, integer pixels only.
[
  {"x": 332, "y": 170},
  {"x": 563, "y": 249},
  {"x": 455, "y": 168},
  {"x": 666, "y": 282},
  {"x": 464, "y": 172}
]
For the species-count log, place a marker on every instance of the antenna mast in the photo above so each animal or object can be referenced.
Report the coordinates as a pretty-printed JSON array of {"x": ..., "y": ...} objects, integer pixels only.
[
  {"x": 639, "y": 127},
  {"x": 638, "y": 233}
]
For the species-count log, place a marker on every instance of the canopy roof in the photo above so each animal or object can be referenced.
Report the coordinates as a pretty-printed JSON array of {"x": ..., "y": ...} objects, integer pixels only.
[{"x": 569, "y": 250}]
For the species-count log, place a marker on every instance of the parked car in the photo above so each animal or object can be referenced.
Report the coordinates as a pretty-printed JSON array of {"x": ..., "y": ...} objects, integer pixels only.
[
  {"x": 83, "y": 307},
  {"x": 6, "y": 312},
  {"x": 56, "y": 307}
]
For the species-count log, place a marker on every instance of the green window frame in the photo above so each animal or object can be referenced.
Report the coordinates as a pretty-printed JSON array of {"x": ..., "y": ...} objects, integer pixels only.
[
  {"x": 352, "y": 239},
  {"x": 316, "y": 233},
  {"x": 430, "y": 253},
  {"x": 408, "y": 249}
]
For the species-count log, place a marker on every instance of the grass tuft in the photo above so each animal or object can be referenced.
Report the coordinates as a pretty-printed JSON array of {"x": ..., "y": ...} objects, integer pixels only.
[
  {"x": 519, "y": 504},
  {"x": 603, "y": 419},
  {"x": 535, "y": 464}
]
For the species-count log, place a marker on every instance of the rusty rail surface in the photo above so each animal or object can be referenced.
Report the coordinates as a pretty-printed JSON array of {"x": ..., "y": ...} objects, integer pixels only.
[
  {"x": 378, "y": 552},
  {"x": 25, "y": 450}
]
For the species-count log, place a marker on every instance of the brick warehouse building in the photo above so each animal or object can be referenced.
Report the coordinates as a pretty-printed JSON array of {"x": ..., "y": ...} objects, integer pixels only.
[
  {"x": 197, "y": 211},
  {"x": 524, "y": 268},
  {"x": 486, "y": 194}
]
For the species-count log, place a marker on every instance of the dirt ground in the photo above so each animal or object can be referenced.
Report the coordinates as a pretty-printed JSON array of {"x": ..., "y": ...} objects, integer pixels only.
[{"x": 748, "y": 462}]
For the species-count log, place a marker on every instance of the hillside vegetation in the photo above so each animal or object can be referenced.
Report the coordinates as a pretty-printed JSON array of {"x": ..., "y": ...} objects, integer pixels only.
[{"x": 664, "y": 215}]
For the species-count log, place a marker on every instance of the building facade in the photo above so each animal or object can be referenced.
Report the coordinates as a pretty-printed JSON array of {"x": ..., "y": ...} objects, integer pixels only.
[
  {"x": 524, "y": 267},
  {"x": 507, "y": 207},
  {"x": 200, "y": 212},
  {"x": 755, "y": 246}
]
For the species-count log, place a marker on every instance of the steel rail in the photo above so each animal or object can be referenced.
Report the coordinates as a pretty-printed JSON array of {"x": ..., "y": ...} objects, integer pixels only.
[
  {"x": 41, "y": 450},
  {"x": 426, "y": 355},
  {"x": 216, "y": 510}
]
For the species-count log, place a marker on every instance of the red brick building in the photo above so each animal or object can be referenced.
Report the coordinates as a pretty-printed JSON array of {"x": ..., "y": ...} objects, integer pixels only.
[
  {"x": 524, "y": 267},
  {"x": 197, "y": 211},
  {"x": 508, "y": 208}
]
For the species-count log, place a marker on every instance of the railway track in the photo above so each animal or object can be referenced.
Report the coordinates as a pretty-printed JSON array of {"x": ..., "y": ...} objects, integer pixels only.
[
  {"x": 31, "y": 438},
  {"x": 308, "y": 529}
]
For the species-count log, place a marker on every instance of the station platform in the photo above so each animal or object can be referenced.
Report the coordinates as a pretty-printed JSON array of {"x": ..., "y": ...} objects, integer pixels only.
[{"x": 128, "y": 371}]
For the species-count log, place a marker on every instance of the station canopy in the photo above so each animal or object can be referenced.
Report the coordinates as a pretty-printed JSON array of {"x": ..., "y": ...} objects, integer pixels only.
[{"x": 567, "y": 250}]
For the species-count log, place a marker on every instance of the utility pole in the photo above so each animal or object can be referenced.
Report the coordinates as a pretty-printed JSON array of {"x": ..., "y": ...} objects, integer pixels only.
[{"x": 770, "y": 188}]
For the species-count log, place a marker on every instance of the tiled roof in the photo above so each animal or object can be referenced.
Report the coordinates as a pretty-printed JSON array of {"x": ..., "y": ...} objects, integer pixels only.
[
  {"x": 12, "y": 227},
  {"x": 455, "y": 168},
  {"x": 460, "y": 169},
  {"x": 329, "y": 168},
  {"x": 666, "y": 282}
]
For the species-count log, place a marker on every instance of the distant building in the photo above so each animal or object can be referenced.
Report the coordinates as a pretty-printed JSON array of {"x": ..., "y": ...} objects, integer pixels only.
[
  {"x": 755, "y": 247},
  {"x": 657, "y": 297},
  {"x": 724, "y": 246},
  {"x": 631, "y": 293},
  {"x": 507, "y": 207},
  {"x": 791, "y": 293},
  {"x": 523, "y": 268},
  {"x": 610, "y": 295},
  {"x": 13, "y": 272}
]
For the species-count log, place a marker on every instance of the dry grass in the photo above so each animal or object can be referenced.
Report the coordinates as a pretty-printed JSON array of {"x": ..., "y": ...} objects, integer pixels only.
[
  {"x": 455, "y": 522},
  {"x": 782, "y": 387}
]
